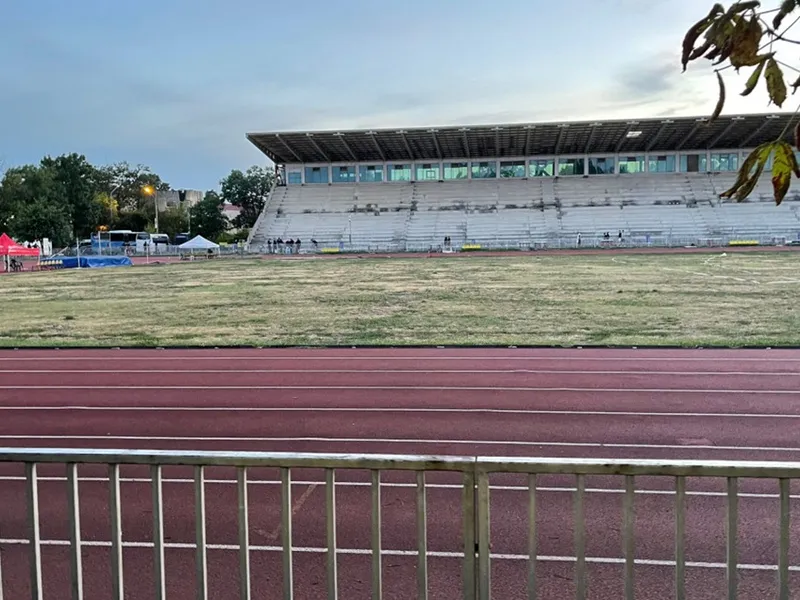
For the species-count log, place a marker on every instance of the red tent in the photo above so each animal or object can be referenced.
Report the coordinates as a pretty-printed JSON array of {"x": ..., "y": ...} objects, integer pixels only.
[{"x": 9, "y": 247}]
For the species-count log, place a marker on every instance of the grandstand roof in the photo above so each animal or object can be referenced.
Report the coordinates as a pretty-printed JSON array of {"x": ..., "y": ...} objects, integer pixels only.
[{"x": 521, "y": 139}]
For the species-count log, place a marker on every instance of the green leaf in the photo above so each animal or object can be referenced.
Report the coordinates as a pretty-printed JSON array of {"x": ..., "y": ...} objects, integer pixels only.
[
  {"x": 752, "y": 81},
  {"x": 783, "y": 166},
  {"x": 787, "y": 6},
  {"x": 776, "y": 86},
  {"x": 696, "y": 31},
  {"x": 750, "y": 172},
  {"x": 720, "y": 100}
]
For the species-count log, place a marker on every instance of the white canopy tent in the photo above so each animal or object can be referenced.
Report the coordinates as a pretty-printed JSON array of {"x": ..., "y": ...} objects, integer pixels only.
[{"x": 199, "y": 243}]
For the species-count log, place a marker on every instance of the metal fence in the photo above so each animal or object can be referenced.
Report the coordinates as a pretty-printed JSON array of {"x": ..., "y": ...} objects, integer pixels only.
[{"x": 474, "y": 474}]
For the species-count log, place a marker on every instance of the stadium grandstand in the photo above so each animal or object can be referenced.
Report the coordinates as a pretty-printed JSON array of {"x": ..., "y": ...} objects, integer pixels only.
[{"x": 523, "y": 186}]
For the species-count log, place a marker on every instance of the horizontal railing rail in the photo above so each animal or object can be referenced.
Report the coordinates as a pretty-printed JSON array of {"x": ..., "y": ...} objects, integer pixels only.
[{"x": 475, "y": 551}]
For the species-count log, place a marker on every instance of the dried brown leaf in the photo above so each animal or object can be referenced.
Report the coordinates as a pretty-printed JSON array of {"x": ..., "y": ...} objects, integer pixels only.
[
  {"x": 787, "y": 6},
  {"x": 696, "y": 31}
]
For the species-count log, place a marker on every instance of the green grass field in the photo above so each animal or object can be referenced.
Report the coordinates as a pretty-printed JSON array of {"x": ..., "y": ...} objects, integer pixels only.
[{"x": 674, "y": 299}]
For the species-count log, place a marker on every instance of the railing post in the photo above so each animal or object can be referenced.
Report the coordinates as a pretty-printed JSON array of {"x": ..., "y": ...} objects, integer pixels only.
[
  {"x": 469, "y": 520},
  {"x": 484, "y": 533}
]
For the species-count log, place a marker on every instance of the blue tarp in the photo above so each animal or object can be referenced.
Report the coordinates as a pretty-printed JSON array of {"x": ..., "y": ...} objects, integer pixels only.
[{"x": 87, "y": 262}]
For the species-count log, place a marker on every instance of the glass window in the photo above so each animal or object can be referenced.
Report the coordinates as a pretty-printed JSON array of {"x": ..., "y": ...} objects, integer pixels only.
[
  {"x": 427, "y": 172},
  {"x": 370, "y": 173},
  {"x": 693, "y": 163},
  {"x": 399, "y": 172},
  {"x": 570, "y": 166},
  {"x": 631, "y": 164},
  {"x": 345, "y": 174},
  {"x": 316, "y": 174},
  {"x": 662, "y": 164},
  {"x": 295, "y": 178},
  {"x": 544, "y": 167},
  {"x": 456, "y": 170},
  {"x": 603, "y": 165},
  {"x": 725, "y": 162},
  {"x": 484, "y": 170},
  {"x": 512, "y": 168}
]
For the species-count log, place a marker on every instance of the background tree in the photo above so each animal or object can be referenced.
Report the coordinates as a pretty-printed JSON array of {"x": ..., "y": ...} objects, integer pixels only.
[
  {"x": 76, "y": 183},
  {"x": 125, "y": 184},
  {"x": 173, "y": 220},
  {"x": 745, "y": 36},
  {"x": 31, "y": 206},
  {"x": 207, "y": 217},
  {"x": 248, "y": 191}
]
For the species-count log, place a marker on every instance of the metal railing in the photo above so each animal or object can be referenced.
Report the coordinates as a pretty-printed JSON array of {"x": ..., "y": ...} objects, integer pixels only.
[{"x": 475, "y": 490}]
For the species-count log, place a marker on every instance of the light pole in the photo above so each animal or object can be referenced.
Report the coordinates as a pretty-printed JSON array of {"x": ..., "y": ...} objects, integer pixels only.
[{"x": 149, "y": 190}]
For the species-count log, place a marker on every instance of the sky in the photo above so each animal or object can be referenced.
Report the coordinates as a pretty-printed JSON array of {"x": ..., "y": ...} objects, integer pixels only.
[{"x": 176, "y": 84}]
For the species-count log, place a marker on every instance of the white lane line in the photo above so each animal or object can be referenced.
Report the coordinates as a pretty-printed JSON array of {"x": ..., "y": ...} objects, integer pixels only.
[
  {"x": 436, "y": 486},
  {"x": 430, "y": 388},
  {"x": 166, "y": 356},
  {"x": 410, "y": 553},
  {"x": 411, "y": 410},
  {"x": 398, "y": 371},
  {"x": 331, "y": 440}
]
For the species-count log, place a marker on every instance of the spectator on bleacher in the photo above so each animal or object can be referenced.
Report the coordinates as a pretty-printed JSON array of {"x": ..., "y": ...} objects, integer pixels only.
[
  {"x": 279, "y": 245},
  {"x": 297, "y": 245},
  {"x": 269, "y": 246},
  {"x": 578, "y": 242},
  {"x": 290, "y": 245}
]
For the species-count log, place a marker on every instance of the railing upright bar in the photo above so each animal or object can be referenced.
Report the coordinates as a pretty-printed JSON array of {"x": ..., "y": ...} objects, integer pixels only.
[
  {"x": 156, "y": 479},
  {"x": 244, "y": 534},
  {"x": 680, "y": 538},
  {"x": 286, "y": 533},
  {"x": 532, "y": 550},
  {"x": 468, "y": 518},
  {"x": 422, "y": 538},
  {"x": 580, "y": 538},
  {"x": 201, "y": 556},
  {"x": 484, "y": 532},
  {"x": 75, "y": 555},
  {"x": 330, "y": 520},
  {"x": 629, "y": 536},
  {"x": 1, "y": 574},
  {"x": 732, "y": 522},
  {"x": 32, "y": 484},
  {"x": 377, "y": 564},
  {"x": 783, "y": 555},
  {"x": 115, "y": 512}
]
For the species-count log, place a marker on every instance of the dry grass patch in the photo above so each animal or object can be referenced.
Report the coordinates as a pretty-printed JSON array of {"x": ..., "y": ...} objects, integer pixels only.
[{"x": 739, "y": 299}]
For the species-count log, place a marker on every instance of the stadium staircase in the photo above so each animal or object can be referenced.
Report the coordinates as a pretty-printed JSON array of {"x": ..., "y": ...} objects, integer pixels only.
[{"x": 663, "y": 209}]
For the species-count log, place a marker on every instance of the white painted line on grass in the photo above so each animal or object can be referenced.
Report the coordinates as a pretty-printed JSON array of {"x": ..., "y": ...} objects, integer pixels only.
[
  {"x": 411, "y": 410},
  {"x": 435, "y": 486},
  {"x": 331, "y": 440},
  {"x": 404, "y": 553}
]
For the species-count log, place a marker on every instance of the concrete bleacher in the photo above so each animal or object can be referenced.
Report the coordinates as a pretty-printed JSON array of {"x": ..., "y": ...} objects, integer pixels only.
[{"x": 520, "y": 213}]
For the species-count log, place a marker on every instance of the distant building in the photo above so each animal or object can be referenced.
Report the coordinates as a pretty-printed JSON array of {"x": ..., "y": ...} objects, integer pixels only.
[{"x": 231, "y": 212}]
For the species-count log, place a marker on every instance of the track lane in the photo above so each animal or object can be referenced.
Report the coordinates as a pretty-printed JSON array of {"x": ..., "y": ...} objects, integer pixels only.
[
  {"x": 599, "y": 382},
  {"x": 444, "y": 503}
]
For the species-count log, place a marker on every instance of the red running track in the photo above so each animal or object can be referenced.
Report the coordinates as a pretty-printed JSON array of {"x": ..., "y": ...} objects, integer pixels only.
[{"x": 698, "y": 404}]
